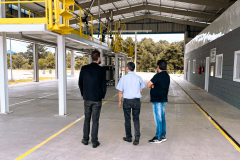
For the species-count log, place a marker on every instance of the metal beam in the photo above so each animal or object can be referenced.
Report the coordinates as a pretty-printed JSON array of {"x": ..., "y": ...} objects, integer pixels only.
[
  {"x": 89, "y": 59},
  {"x": 164, "y": 19},
  {"x": 135, "y": 52},
  {"x": 208, "y": 3},
  {"x": 101, "y": 56},
  {"x": 21, "y": 37},
  {"x": 56, "y": 63},
  {"x": 116, "y": 69},
  {"x": 35, "y": 62},
  {"x": 87, "y": 4},
  {"x": 125, "y": 64},
  {"x": 4, "y": 74},
  {"x": 72, "y": 63},
  {"x": 160, "y": 9},
  {"x": 62, "y": 75}
]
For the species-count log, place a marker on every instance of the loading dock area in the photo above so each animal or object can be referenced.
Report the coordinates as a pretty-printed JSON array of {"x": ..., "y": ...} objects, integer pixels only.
[
  {"x": 202, "y": 113},
  {"x": 190, "y": 134}
]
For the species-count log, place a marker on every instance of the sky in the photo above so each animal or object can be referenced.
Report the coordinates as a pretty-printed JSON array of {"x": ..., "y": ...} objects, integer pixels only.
[{"x": 18, "y": 46}]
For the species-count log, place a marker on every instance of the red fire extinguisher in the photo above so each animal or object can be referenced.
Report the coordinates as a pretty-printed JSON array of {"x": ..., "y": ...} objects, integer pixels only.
[
  {"x": 202, "y": 68},
  {"x": 199, "y": 70}
]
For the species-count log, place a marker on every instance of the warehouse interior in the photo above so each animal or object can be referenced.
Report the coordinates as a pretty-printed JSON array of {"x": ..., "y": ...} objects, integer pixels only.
[{"x": 43, "y": 120}]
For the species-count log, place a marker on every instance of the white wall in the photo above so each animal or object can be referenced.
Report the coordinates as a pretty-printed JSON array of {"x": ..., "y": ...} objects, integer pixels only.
[{"x": 225, "y": 23}]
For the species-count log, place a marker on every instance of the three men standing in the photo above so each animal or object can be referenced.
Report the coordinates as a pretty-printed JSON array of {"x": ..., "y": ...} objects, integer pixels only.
[
  {"x": 130, "y": 87},
  {"x": 92, "y": 84},
  {"x": 159, "y": 85}
]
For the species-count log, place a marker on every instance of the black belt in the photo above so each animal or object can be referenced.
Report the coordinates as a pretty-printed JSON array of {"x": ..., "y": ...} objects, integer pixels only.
[{"x": 131, "y": 99}]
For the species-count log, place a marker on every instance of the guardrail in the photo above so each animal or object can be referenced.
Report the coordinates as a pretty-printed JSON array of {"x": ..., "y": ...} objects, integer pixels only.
[
  {"x": 24, "y": 20},
  {"x": 119, "y": 45},
  {"x": 57, "y": 20}
]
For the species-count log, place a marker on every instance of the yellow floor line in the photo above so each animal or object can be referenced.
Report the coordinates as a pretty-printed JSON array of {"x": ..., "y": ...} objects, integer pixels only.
[
  {"x": 53, "y": 136},
  {"x": 223, "y": 133}
]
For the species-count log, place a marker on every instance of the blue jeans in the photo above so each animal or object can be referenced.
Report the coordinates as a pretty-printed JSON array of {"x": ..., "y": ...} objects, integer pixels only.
[{"x": 159, "y": 118}]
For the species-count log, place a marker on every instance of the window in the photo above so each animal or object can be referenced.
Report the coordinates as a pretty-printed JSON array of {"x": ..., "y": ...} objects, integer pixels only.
[
  {"x": 194, "y": 66},
  {"x": 218, "y": 66},
  {"x": 236, "y": 69}
]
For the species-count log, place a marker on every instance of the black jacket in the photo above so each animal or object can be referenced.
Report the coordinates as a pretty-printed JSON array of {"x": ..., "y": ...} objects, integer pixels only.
[{"x": 92, "y": 82}]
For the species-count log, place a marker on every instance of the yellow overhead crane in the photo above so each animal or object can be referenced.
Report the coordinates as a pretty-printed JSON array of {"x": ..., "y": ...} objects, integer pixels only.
[{"x": 52, "y": 18}]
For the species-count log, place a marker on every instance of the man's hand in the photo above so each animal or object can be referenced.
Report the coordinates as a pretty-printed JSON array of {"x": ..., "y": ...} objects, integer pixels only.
[
  {"x": 120, "y": 104},
  {"x": 150, "y": 85}
]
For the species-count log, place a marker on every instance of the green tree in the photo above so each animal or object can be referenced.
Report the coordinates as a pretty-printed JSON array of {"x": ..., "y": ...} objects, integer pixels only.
[
  {"x": 147, "y": 61},
  {"x": 81, "y": 61},
  {"x": 18, "y": 61},
  {"x": 42, "y": 63},
  {"x": 42, "y": 52},
  {"x": 173, "y": 54},
  {"x": 68, "y": 60},
  {"x": 8, "y": 60},
  {"x": 50, "y": 60},
  {"x": 27, "y": 66},
  {"x": 149, "y": 53},
  {"x": 160, "y": 46}
]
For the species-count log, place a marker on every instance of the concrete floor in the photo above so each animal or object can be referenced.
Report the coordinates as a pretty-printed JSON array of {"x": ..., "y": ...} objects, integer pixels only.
[{"x": 190, "y": 134}]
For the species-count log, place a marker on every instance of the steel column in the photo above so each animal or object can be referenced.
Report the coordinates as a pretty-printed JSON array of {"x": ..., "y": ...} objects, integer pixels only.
[
  {"x": 56, "y": 63},
  {"x": 125, "y": 65},
  {"x": 89, "y": 59},
  {"x": 101, "y": 56},
  {"x": 2, "y": 10},
  {"x": 121, "y": 61},
  {"x": 61, "y": 75},
  {"x": 72, "y": 63},
  {"x": 35, "y": 62},
  {"x": 11, "y": 59},
  {"x": 135, "y": 52},
  {"x": 19, "y": 9},
  {"x": 185, "y": 39},
  {"x": 116, "y": 69},
  {"x": 4, "y": 74}
]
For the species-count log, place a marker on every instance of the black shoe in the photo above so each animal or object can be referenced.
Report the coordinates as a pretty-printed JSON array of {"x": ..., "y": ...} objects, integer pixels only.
[
  {"x": 163, "y": 138},
  {"x": 95, "y": 144},
  {"x": 155, "y": 140},
  {"x": 85, "y": 142},
  {"x": 136, "y": 141},
  {"x": 127, "y": 140}
]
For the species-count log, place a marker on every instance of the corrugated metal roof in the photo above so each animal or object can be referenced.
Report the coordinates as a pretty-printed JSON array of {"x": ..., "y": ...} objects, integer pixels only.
[
  {"x": 170, "y": 4},
  {"x": 134, "y": 2},
  {"x": 121, "y": 4}
]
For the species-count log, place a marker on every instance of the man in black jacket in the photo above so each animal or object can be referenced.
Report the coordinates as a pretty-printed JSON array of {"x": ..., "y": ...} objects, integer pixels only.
[{"x": 92, "y": 84}]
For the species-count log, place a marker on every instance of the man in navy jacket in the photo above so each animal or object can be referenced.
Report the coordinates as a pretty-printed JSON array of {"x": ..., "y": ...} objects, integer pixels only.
[{"x": 92, "y": 84}]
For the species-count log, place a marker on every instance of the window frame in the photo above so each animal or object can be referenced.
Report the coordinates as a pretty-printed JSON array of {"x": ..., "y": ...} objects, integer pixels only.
[
  {"x": 236, "y": 53},
  {"x": 216, "y": 66},
  {"x": 194, "y": 67}
]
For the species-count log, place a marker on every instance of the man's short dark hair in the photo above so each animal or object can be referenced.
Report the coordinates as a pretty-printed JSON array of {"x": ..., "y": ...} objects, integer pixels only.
[
  {"x": 162, "y": 64},
  {"x": 131, "y": 66},
  {"x": 95, "y": 55}
]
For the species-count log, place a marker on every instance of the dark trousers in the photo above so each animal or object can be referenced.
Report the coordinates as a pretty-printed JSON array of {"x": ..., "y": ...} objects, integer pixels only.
[
  {"x": 133, "y": 105},
  {"x": 92, "y": 110}
]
